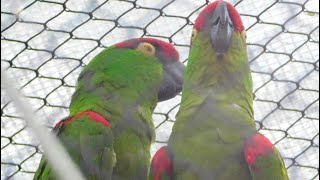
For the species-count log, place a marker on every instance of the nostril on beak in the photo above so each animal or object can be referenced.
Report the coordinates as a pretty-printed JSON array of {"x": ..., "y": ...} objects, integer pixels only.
[{"x": 222, "y": 28}]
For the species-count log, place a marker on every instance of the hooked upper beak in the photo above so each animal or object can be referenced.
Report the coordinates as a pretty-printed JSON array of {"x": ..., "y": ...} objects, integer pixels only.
[
  {"x": 222, "y": 28},
  {"x": 172, "y": 82}
]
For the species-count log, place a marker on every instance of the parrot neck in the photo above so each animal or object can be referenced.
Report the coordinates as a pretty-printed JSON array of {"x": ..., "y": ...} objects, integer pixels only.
[
  {"x": 115, "y": 89},
  {"x": 109, "y": 106},
  {"x": 225, "y": 80}
]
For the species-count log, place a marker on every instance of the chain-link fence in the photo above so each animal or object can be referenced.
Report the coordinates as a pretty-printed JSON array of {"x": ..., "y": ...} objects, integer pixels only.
[{"x": 46, "y": 43}]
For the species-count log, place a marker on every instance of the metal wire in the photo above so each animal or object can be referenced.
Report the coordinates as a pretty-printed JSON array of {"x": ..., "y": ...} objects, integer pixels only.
[
  {"x": 46, "y": 43},
  {"x": 63, "y": 166}
]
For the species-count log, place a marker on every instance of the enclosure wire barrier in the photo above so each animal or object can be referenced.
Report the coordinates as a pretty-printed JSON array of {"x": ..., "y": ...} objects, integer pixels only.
[{"x": 46, "y": 43}]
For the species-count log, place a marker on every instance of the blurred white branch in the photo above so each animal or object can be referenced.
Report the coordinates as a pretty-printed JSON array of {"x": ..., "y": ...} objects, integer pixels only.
[{"x": 58, "y": 158}]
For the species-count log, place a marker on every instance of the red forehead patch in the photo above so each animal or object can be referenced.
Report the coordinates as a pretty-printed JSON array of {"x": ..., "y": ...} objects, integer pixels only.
[
  {"x": 166, "y": 49},
  {"x": 204, "y": 15}
]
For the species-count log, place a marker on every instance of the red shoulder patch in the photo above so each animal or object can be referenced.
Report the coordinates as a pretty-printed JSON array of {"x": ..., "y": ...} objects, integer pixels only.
[
  {"x": 93, "y": 115},
  {"x": 234, "y": 15},
  {"x": 161, "y": 163},
  {"x": 256, "y": 146}
]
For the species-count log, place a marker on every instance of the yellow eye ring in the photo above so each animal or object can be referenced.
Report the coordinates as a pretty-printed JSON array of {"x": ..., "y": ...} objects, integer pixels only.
[
  {"x": 194, "y": 34},
  {"x": 147, "y": 49}
]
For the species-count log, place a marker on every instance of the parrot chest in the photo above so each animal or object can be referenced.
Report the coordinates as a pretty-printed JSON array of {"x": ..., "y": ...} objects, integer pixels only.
[
  {"x": 206, "y": 155},
  {"x": 210, "y": 143}
]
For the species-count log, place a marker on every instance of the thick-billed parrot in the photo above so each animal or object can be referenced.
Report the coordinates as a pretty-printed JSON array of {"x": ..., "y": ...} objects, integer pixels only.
[
  {"x": 214, "y": 136},
  {"x": 109, "y": 131}
]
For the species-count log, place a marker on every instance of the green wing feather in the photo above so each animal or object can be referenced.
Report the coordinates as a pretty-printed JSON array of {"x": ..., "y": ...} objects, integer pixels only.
[
  {"x": 90, "y": 145},
  {"x": 121, "y": 85},
  {"x": 264, "y": 159}
]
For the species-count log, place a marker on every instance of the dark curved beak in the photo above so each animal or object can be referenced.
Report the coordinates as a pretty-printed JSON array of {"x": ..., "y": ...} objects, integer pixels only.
[
  {"x": 222, "y": 28},
  {"x": 172, "y": 82}
]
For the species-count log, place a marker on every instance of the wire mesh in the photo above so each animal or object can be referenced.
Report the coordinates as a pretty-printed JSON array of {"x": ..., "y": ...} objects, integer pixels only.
[{"x": 46, "y": 43}]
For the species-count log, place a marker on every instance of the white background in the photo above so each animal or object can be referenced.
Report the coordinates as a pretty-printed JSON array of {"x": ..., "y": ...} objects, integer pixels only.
[{"x": 45, "y": 46}]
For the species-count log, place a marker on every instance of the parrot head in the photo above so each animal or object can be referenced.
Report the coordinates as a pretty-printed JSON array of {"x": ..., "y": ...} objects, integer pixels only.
[
  {"x": 167, "y": 55},
  {"x": 221, "y": 22}
]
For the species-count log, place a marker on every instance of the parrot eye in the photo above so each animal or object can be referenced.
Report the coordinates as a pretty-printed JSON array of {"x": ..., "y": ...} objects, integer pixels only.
[
  {"x": 194, "y": 34},
  {"x": 147, "y": 49}
]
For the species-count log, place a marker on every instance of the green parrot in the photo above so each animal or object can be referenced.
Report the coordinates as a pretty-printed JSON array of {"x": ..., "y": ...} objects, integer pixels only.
[
  {"x": 110, "y": 130},
  {"x": 214, "y": 136}
]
